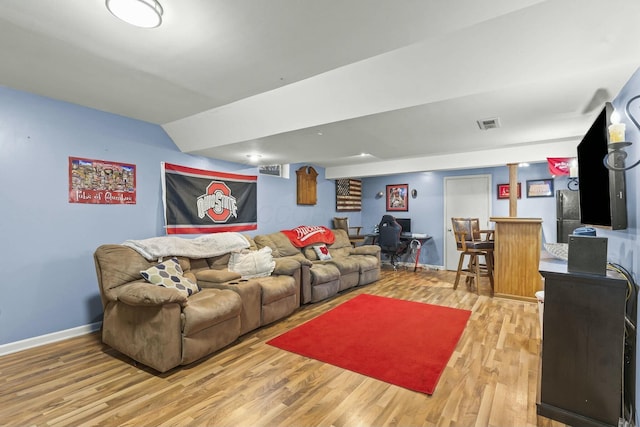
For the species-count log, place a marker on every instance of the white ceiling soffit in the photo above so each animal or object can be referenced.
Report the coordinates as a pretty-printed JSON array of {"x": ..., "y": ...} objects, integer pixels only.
[
  {"x": 535, "y": 68},
  {"x": 323, "y": 82}
]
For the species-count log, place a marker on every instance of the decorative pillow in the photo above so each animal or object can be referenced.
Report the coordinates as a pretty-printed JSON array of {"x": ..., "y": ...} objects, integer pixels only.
[
  {"x": 250, "y": 264},
  {"x": 169, "y": 274},
  {"x": 322, "y": 252}
]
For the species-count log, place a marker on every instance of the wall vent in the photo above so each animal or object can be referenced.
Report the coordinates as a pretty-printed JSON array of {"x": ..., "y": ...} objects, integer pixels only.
[{"x": 487, "y": 124}]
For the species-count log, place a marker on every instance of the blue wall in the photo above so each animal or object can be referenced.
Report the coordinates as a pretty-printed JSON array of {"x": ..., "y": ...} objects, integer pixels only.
[
  {"x": 623, "y": 245},
  {"x": 47, "y": 252},
  {"x": 49, "y": 243},
  {"x": 427, "y": 209}
]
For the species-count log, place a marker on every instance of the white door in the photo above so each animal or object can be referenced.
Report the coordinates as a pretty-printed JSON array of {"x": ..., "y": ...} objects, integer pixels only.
[{"x": 464, "y": 196}]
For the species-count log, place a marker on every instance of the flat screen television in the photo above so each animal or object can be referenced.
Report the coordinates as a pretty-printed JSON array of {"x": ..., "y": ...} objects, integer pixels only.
[
  {"x": 603, "y": 201},
  {"x": 405, "y": 223}
]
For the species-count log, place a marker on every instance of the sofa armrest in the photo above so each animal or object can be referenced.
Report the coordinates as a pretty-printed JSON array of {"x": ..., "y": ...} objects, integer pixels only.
[
  {"x": 367, "y": 250},
  {"x": 146, "y": 294},
  {"x": 287, "y": 266},
  {"x": 302, "y": 259},
  {"x": 216, "y": 276}
]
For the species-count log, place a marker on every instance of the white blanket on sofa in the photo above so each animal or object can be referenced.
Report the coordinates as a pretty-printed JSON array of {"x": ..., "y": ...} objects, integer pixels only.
[{"x": 210, "y": 245}]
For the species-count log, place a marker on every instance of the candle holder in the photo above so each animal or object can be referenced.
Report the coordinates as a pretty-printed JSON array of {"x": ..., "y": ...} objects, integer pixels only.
[
  {"x": 618, "y": 155},
  {"x": 616, "y": 149}
]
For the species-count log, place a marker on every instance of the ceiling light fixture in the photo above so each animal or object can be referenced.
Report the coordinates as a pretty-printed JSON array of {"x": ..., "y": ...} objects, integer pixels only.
[
  {"x": 254, "y": 157},
  {"x": 141, "y": 13}
]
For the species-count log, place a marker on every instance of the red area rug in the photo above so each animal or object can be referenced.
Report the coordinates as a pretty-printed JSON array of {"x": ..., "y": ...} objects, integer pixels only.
[{"x": 401, "y": 342}]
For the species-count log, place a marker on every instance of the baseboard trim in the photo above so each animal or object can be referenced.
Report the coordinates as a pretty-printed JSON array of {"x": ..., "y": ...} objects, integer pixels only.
[
  {"x": 14, "y": 347},
  {"x": 408, "y": 265}
]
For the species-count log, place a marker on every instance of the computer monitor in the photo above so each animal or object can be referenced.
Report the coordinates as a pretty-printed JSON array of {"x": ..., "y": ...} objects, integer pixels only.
[{"x": 405, "y": 223}]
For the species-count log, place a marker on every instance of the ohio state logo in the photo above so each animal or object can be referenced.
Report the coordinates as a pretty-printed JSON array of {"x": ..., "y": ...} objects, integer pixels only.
[{"x": 218, "y": 203}]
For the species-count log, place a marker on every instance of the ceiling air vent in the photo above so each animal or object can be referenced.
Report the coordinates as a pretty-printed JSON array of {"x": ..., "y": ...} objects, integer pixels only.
[{"x": 487, "y": 124}]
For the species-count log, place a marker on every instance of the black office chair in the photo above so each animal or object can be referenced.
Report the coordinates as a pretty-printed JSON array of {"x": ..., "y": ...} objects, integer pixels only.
[{"x": 389, "y": 239}]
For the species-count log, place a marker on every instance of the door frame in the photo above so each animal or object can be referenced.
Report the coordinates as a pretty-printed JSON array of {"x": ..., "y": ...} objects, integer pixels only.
[{"x": 449, "y": 240}]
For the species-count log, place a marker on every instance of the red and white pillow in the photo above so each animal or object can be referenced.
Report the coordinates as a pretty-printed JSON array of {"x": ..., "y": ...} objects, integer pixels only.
[{"x": 322, "y": 252}]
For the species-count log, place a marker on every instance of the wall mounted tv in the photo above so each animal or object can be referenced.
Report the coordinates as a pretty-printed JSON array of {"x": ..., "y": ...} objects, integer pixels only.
[{"x": 603, "y": 200}]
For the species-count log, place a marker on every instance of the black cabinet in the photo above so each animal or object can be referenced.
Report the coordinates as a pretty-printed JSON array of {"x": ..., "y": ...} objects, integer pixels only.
[{"x": 583, "y": 348}]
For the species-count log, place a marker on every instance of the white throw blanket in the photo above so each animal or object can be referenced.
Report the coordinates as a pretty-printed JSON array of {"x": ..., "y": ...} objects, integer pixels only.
[{"x": 206, "y": 246}]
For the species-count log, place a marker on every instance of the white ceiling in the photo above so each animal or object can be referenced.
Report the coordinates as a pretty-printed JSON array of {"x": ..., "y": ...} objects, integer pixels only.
[{"x": 310, "y": 81}]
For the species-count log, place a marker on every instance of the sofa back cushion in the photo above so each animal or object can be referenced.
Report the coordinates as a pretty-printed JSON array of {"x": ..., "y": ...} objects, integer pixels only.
[
  {"x": 117, "y": 265},
  {"x": 279, "y": 243},
  {"x": 219, "y": 261},
  {"x": 341, "y": 247},
  {"x": 342, "y": 239}
]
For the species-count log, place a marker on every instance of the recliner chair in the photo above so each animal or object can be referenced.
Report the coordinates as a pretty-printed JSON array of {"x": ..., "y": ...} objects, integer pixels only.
[{"x": 389, "y": 239}]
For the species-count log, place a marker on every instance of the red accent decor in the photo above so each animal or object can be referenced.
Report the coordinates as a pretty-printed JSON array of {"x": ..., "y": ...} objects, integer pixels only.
[
  {"x": 559, "y": 165},
  {"x": 401, "y": 342},
  {"x": 305, "y": 235}
]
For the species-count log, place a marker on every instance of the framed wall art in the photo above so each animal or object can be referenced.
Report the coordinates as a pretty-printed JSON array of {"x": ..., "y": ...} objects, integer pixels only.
[
  {"x": 398, "y": 197},
  {"x": 503, "y": 191},
  {"x": 101, "y": 182},
  {"x": 348, "y": 195},
  {"x": 540, "y": 188},
  {"x": 281, "y": 171}
]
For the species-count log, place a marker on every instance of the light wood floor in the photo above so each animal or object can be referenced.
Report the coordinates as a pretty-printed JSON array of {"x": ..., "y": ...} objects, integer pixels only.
[{"x": 491, "y": 379}]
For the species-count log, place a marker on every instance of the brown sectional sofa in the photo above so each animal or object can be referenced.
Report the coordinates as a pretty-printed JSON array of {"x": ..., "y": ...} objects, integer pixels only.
[
  {"x": 348, "y": 266},
  {"x": 162, "y": 328}
]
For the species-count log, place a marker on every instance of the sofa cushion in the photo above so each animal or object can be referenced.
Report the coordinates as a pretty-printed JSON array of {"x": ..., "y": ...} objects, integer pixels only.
[
  {"x": 275, "y": 288},
  {"x": 322, "y": 273},
  {"x": 288, "y": 265},
  {"x": 141, "y": 293},
  {"x": 217, "y": 276},
  {"x": 168, "y": 274},
  {"x": 278, "y": 242},
  {"x": 340, "y": 252},
  {"x": 208, "y": 308},
  {"x": 310, "y": 254},
  {"x": 341, "y": 240},
  {"x": 322, "y": 252},
  {"x": 373, "y": 250},
  {"x": 366, "y": 262},
  {"x": 346, "y": 265}
]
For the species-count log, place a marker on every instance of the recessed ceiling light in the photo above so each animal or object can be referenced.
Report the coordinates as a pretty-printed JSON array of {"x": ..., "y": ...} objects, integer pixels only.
[
  {"x": 141, "y": 13},
  {"x": 254, "y": 157}
]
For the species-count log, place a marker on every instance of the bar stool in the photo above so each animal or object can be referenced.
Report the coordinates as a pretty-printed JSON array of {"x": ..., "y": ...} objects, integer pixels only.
[{"x": 470, "y": 242}]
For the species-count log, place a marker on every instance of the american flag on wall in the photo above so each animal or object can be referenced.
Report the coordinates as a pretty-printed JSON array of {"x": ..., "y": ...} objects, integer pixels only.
[{"x": 348, "y": 195}]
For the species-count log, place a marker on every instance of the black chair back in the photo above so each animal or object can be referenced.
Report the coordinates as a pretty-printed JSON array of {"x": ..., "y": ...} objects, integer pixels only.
[{"x": 389, "y": 238}]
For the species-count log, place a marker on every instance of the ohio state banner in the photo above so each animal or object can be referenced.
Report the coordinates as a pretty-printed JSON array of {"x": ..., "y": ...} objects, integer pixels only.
[{"x": 198, "y": 201}]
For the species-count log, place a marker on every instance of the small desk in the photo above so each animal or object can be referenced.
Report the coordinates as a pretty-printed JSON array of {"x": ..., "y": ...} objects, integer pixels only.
[{"x": 371, "y": 239}]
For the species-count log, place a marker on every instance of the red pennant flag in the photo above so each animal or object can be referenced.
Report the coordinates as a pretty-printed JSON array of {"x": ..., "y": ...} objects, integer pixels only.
[{"x": 559, "y": 165}]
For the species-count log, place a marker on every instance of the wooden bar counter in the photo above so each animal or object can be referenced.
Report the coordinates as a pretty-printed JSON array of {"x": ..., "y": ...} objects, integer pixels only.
[{"x": 516, "y": 254}]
